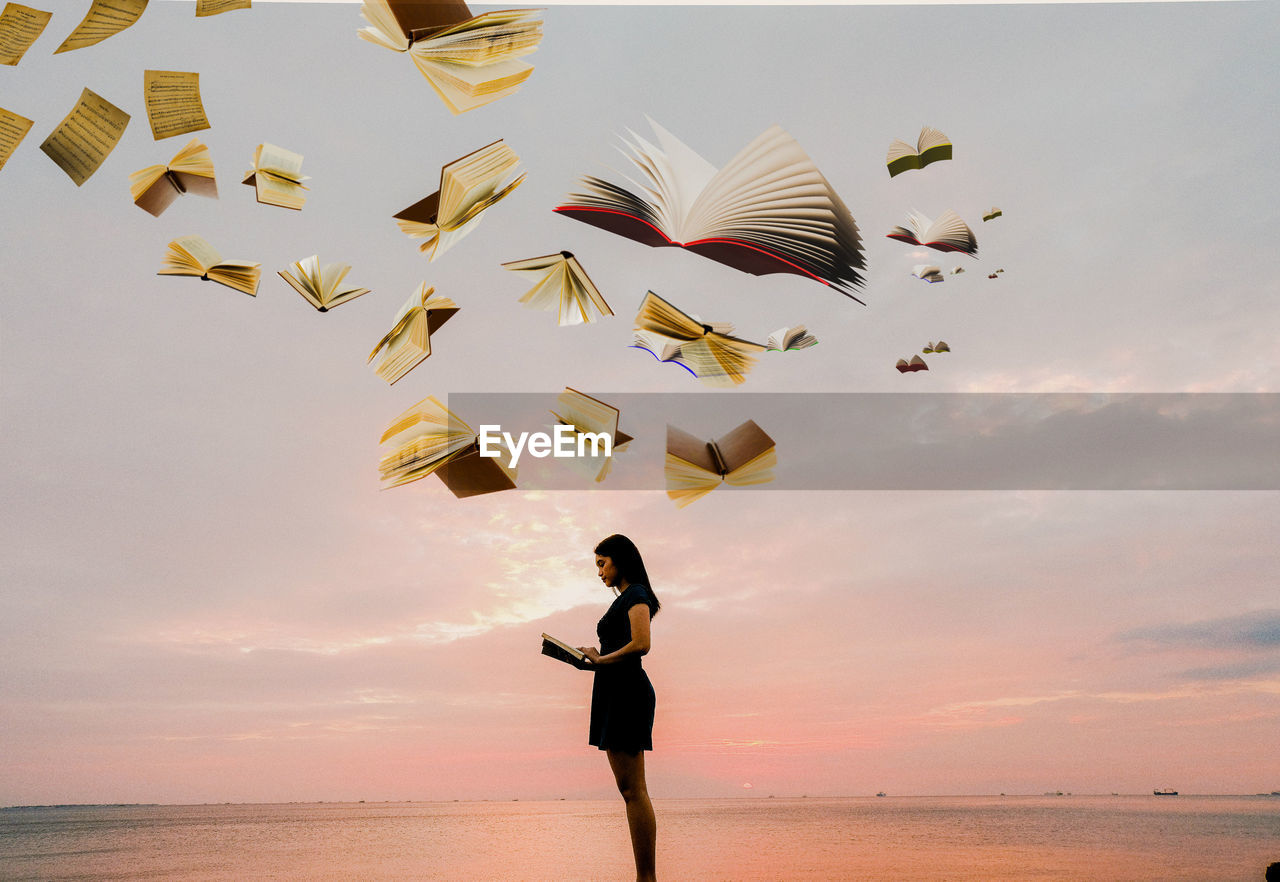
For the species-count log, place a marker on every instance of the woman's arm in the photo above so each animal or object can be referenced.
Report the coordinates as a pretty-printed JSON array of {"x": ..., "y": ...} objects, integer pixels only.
[{"x": 638, "y": 615}]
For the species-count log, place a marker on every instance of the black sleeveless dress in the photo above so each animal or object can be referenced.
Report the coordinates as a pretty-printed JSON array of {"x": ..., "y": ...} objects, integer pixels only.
[{"x": 622, "y": 698}]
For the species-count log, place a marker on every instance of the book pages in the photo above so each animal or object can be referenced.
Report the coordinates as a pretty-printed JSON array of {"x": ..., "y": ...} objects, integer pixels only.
[
  {"x": 173, "y": 103},
  {"x": 217, "y": 7},
  {"x": 84, "y": 138},
  {"x": 105, "y": 18},
  {"x": 13, "y": 128},
  {"x": 19, "y": 28}
]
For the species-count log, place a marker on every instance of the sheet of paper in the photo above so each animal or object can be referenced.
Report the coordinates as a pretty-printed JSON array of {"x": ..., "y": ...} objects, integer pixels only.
[
  {"x": 13, "y": 129},
  {"x": 105, "y": 18},
  {"x": 214, "y": 7},
  {"x": 19, "y": 28},
  {"x": 83, "y": 139},
  {"x": 173, "y": 102}
]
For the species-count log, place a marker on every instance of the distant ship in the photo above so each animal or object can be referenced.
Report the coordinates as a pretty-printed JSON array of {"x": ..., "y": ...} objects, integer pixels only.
[{"x": 1165, "y": 791}]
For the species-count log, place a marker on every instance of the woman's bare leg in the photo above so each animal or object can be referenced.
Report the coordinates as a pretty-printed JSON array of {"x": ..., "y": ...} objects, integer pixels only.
[{"x": 628, "y": 771}]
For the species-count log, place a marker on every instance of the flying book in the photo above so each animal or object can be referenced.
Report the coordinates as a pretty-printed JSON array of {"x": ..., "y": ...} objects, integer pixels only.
[
  {"x": 191, "y": 171},
  {"x": 591, "y": 419},
  {"x": 947, "y": 233},
  {"x": 277, "y": 177},
  {"x": 957, "y": 270},
  {"x": 916, "y": 364},
  {"x": 927, "y": 272},
  {"x": 469, "y": 60},
  {"x": 768, "y": 211},
  {"x": 708, "y": 351},
  {"x": 428, "y": 439},
  {"x": 996, "y": 273},
  {"x": 992, "y": 214},
  {"x": 193, "y": 256},
  {"x": 931, "y": 146},
  {"x": 408, "y": 343},
  {"x": 662, "y": 348},
  {"x": 320, "y": 285},
  {"x": 468, "y": 186},
  {"x": 561, "y": 651},
  {"x": 790, "y": 338},
  {"x": 694, "y": 468},
  {"x": 563, "y": 287},
  {"x": 940, "y": 346}
]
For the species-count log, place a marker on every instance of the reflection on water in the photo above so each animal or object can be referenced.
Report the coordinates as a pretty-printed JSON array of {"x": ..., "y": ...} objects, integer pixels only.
[{"x": 1066, "y": 839}]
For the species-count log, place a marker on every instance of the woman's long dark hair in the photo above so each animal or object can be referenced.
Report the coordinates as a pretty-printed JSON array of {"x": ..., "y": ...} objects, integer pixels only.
[{"x": 626, "y": 557}]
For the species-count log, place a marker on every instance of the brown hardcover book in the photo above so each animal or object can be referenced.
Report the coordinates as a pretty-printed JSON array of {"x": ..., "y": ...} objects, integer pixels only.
[
  {"x": 470, "y": 474},
  {"x": 695, "y": 467}
]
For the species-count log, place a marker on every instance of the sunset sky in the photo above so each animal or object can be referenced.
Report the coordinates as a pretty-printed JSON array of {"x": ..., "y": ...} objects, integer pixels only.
[{"x": 205, "y": 596}]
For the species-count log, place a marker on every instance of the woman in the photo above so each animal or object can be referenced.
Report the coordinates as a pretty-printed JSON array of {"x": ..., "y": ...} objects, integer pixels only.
[{"x": 622, "y": 698}]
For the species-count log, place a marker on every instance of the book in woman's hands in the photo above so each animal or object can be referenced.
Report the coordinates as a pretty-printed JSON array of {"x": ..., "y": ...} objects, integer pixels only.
[
  {"x": 469, "y": 60},
  {"x": 429, "y": 439},
  {"x": 408, "y": 343},
  {"x": 321, "y": 285},
  {"x": 277, "y": 177},
  {"x": 193, "y": 256},
  {"x": 947, "y": 233},
  {"x": 468, "y": 186},
  {"x": 709, "y": 351},
  {"x": 563, "y": 287},
  {"x": 562, "y": 651},
  {"x": 768, "y": 211},
  {"x": 694, "y": 468},
  {"x": 931, "y": 146},
  {"x": 191, "y": 171}
]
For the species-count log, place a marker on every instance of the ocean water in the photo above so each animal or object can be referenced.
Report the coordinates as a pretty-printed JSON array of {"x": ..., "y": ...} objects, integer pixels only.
[{"x": 1076, "y": 838}]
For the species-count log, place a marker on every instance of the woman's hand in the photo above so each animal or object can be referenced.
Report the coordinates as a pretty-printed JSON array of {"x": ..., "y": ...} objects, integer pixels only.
[{"x": 592, "y": 654}]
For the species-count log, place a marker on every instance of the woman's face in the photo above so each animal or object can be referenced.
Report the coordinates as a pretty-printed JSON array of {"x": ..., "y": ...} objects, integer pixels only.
[{"x": 608, "y": 572}]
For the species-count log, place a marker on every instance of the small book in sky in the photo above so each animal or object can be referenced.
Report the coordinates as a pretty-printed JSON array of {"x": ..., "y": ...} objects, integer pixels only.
[
  {"x": 928, "y": 272},
  {"x": 694, "y": 467},
  {"x": 469, "y": 60},
  {"x": 940, "y": 346},
  {"x": 428, "y": 439},
  {"x": 908, "y": 367},
  {"x": 277, "y": 177},
  {"x": 589, "y": 416},
  {"x": 561, "y": 651},
  {"x": 947, "y": 233},
  {"x": 321, "y": 285},
  {"x": 992, "y": 214},
  {"x": 931, "y": 146},
  {"x": 468, "y": 186},
  {"x": 408, "y": 343},
  {"x": 562, "y": 287},
  {"x": 785, "y": 339},
  {"x": 193, "y": 256},
  {"x": 709, "y": 351},
  {"x": 191, "y": 171},
  {"x": 768, "y": 211}
]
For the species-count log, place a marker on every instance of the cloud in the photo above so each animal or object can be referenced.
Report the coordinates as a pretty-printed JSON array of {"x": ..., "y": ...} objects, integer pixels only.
[{"x": 1249, "y": 631}]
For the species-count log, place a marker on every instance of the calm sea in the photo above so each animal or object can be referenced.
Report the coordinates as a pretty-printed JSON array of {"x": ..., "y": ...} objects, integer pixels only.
[{"x": 1084, "y": 838}]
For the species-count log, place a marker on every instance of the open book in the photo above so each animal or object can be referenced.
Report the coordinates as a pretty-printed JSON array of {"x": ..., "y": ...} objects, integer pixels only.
[
  {"x": 320, "y": 285},
  {"x": 928, "y": 272},
  {"x": 191, "y": 171},
  {"x": 561, "y": 651},
  {"x": 408, "y": 342},
  {"x": 563, "y": 287},
  {"x": 469, "y": 60},
  {"x": 768, "y": 211},
  {"x": 428, "y": 439},
  {"x": 708, "y": 351},
  {"x": 277, "y": 176},
  {"x": 790, "y": 338},
  {"x": 992, "y": 214},
  {"x": 947, "y": 233},
  {"x": 916, "y": 364},
  {"x": 468, "y": 186},
  {"x": 694, "y": 467},
  {"x": 940, "y": 346},
  {"x": 590, "y": 416},
  {"x": 931, "y": 146},
  {"x": 193, "y": 256}
]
